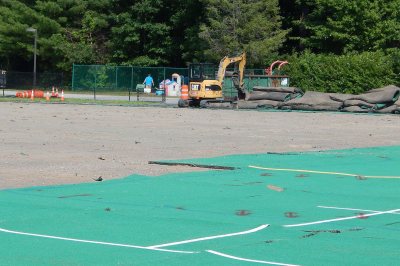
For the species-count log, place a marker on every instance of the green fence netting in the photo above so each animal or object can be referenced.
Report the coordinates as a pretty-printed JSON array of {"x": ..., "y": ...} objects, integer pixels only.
[
  {"x": 24, "y": 80},
  {"x": 118, "y": 78},
  {"x": 103, "y": 78},
  {"x": 252, "y": 78}
]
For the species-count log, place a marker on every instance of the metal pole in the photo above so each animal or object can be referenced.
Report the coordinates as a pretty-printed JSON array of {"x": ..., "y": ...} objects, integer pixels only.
[
  {"x": 95, "y": 83},
  {"x": 164, "y": 94},
  {"x": 131, "y": 84},
  {"x": 62, "y": 79},
  {"x": 3, "y": 80},
  {"x": 116, "y": 78},
  {"x": 137, "y": 93},
  {"x": 34, "y": 59},
  {"x": 73, "y": 76}
]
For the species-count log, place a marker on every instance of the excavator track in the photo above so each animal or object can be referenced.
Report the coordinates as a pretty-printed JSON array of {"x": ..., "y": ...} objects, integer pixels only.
[{"x": 217, "y": 104}]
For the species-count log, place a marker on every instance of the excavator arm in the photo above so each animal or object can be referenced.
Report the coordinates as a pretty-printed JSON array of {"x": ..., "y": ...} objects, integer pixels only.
[{"x": 226, "y": 61}]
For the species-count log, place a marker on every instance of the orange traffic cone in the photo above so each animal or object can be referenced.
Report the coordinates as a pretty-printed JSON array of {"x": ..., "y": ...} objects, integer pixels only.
[
  {"x": 57, "y": 92},
  {"x": 52, "y": 92},
  {"x": 32, "y": 96},
  {"x": 62, "y": 95},
  {"x": 47, "y": 96}
]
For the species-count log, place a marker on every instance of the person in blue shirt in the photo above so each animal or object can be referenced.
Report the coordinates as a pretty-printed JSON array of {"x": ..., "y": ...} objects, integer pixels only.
[{"x": 148, "y": 81}]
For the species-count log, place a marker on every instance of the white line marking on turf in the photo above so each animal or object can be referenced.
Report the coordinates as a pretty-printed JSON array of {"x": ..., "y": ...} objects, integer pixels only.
[
  {"x": 300, "y": 170},
  {"x": 341, "y": 219},
  {"x": 93, "y": 242},
  {"x": 350, "y": 209},
  {"x": 248, "y": 260},
  {"x": 211, "y": 237},
  {"x": 320, "y": 172}
]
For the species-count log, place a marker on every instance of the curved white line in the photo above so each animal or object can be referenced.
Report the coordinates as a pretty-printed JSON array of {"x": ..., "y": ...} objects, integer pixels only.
[
  {"x": 248, "y": 260},
  {"x": 341, "y": 219},
  {"x": 350, "y": 209},
  {"x": 93, "y": 242},
  {"x": 301, "y": 170},
  {"x": 321, "y": 172},
  {"x": 211, "y": 237}
]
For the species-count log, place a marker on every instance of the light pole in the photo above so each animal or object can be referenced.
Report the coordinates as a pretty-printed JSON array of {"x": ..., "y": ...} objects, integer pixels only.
[{"x": 34, "y": 53}]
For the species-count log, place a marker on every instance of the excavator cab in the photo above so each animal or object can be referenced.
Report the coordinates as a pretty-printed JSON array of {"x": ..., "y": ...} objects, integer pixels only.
[
  {"x": 199, "y": 72},
  {"x": 203, "y": 83}
]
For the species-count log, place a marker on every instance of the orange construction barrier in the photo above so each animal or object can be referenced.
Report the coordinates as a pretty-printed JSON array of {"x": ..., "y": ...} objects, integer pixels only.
[
  {"x": 185, "y": 92},
  {"x": 38, "y": 93},
  {"x": 30, "y": 94}
]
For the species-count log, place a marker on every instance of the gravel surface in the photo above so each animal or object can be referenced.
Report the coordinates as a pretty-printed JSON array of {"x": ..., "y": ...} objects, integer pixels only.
[{"x": 47, "y": 144}]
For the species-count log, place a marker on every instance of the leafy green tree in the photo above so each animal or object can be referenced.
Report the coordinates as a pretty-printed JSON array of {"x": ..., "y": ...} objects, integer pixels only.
[
  {"x": 175, "y": 32},
  {"x": 151, "y": 33},
  {"x": 84, "y": 36},
  {"x": 16, "y": 44},
  {"x": 294, "y": 13},
  {"x": 250, "y": 25},
  {"x": 140, "y": 35},
  {"x": 185, "y": 18},
  {"x": 342, "y": 26}
]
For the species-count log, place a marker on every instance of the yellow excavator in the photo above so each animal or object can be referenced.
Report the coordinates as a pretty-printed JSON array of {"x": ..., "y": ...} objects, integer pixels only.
[{"x": 205, "y": 84}]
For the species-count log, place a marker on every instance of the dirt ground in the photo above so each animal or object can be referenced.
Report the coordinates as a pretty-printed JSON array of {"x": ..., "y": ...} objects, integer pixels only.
[{"x": 47, "y": 144}]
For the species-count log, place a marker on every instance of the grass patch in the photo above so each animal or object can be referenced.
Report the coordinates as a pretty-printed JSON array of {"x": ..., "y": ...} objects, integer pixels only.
[
  {"x": 111, "y": 93},
  {"x": 78, "y": 101},
  {"x": 87, "y": 92}
]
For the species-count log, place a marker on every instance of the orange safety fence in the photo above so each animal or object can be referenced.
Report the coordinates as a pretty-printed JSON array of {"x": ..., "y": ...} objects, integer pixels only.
[{"x": 28, "y": 94}]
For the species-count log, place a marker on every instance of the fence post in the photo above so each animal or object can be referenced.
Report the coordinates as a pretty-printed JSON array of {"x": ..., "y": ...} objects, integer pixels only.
[
  {"x": 73, "y": 76},
  {"x": 116, "y": 78},
  {"x": 137, "y": 94},
  {"x": 164, "y": 94},
  {"x": 95, "y": 83},
  {"x": 62, "y": 79},
  {"x": 131, "y": 88}
]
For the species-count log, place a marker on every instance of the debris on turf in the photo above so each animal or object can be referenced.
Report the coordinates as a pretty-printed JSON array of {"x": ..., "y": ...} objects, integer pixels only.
[
  {"x": 194, "y": 165},
  {"x": 291, "y": 215},
  {"x": 243, "y": 212},
  {"x": 275, "y": 188},
  {"x": 99, "y": 179}
]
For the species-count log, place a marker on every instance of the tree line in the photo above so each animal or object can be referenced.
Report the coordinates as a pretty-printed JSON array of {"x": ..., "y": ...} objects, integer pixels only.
[{"x": 176, "y": 32}]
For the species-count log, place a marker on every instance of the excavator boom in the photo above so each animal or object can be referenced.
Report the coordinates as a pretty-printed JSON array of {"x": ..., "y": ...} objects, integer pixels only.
[{"x": 226, "y": 61}]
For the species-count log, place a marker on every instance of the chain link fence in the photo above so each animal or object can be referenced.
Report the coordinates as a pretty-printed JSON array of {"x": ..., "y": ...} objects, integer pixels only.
[
  {"x": 252, "y": 78},
  {"x": 24, "y": 80},
  {"x": 12, "y": 80},
  {"x": 128, "y": 81},
  {"x": 125, "y": 80}
]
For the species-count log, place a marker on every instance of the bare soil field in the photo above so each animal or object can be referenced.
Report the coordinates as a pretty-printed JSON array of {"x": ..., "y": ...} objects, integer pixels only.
[{"x": 49, "y": 144}]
